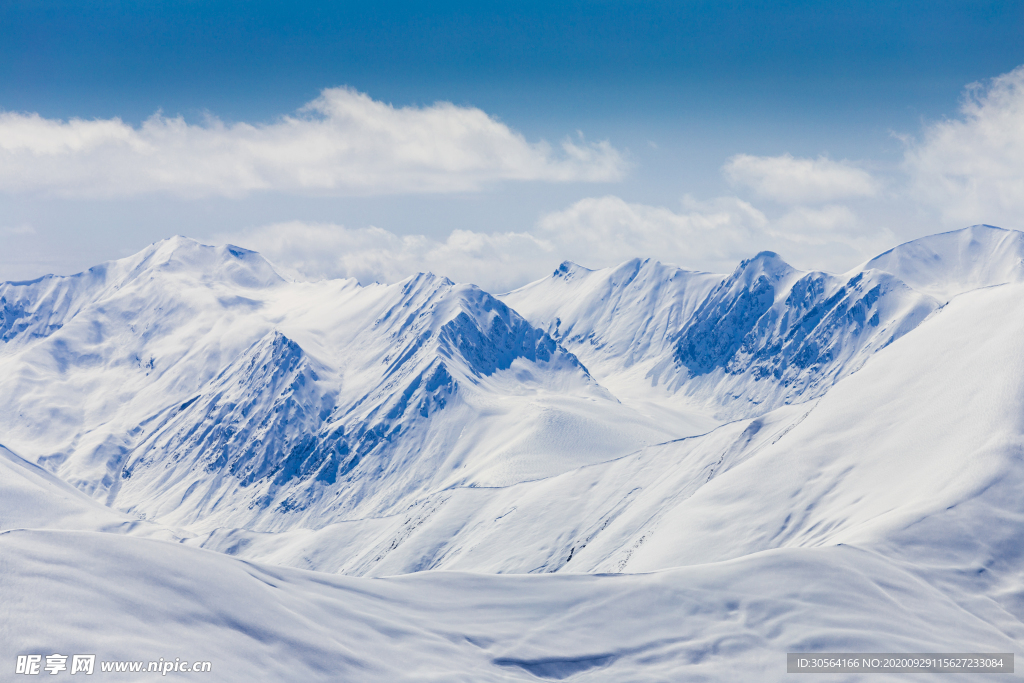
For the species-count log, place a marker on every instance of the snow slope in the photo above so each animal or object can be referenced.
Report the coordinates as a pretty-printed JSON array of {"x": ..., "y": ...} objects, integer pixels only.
[
  {"x": 33, "y": 498},
  {"x": 125, "y": 598},
  {"x": 954, "y": 262},
  {"x": 926, "y": 441},
  {"x": 589, "y": 519}
]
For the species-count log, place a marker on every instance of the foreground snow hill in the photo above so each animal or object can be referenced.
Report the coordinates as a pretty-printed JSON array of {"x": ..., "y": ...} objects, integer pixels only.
[
  {"x": 887, "y": 517},
  {"x": 35, "y": 499},
  {"x": 132, "y": 599}
]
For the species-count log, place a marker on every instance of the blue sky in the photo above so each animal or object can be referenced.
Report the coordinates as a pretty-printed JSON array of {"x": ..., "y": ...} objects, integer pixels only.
[{"x": 676, "y": 90}]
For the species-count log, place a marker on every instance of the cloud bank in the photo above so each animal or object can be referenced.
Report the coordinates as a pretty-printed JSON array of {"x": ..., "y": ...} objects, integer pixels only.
[
  {"x": 342, "y": 143},
  {"x": 594, "y": 232},
  {"x": 495, "y": 261}
]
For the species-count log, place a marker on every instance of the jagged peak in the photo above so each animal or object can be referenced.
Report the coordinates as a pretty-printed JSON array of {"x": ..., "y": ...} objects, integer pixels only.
[
  {"x": 272, "y": 353},
  {"x": 424, "y": 278},
  {"x": 273, "y": 344},
  {"x": 167, "y": 248},
  {"x": 765, "y": 263},
  {"x": 764, "y": 257},
  {"x": 633, "y": 264},
  {"x": 652, "y": 268},
  {"x": 278, "y": 339},
  {"x": 419, "y": 291},
  {"x": 567, "y": 270}
]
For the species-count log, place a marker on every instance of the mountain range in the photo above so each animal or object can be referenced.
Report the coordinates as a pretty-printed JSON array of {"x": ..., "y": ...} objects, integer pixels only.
[{"x": 635, "y": 473}]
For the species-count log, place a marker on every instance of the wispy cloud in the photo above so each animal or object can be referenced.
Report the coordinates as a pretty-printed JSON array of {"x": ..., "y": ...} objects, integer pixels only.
[
  {"x": 603, "y": 231},
  {"x": 21, "y": 229},
  {"x": 595, "y": 232},
  {"x": 495, "y": 261},
  {"x": 792, "y": 180},
  {"x": 711, "y": 235},
  {"x": 971, "y": 168},
  {"x": 816, "y": 224},
  {"x": 816, "y": 212},
  {"x": 342, "y": 143}
]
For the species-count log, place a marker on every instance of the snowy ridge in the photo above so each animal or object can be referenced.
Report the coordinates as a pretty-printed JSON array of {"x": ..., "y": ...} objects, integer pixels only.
[
  {"x": 734, "y": 346},
  {"x": 257, "y": 420},
  {"x": 643, "y": 304},
  {"x": 591, "y": 519},
  {"x": 955, "y": 262},
  {"x": 772, "y": 339}
]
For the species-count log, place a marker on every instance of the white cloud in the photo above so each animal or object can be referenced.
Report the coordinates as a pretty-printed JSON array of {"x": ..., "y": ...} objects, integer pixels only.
[
  {"x": 341, "y": 143},
  {"x": 713, "y": 235},
  {"x": 594, "y": 232},
  {"x": 972, "y": 168},
  {"x": 792, "y": 180},
  {"x": 497, "y": 262},
  {"x": 605, "y": 231},
  {"x": 816, "y": 224},
  {"x": 831, "y": 237}
]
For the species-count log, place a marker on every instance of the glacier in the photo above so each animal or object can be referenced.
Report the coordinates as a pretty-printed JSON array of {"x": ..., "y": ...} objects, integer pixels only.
[{"x": 637, "y": 473}]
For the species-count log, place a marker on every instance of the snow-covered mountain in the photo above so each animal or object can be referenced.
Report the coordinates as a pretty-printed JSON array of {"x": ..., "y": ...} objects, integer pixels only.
[
  {"x": 792, "y": 461},
  {"x": 890, "y": 448},
  {"x": 194, "y": 385},
  {"x": 764, "y": 336}
]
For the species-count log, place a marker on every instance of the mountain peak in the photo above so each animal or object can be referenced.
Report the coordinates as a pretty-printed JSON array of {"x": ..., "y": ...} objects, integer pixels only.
[
  {"x": 767, "y": 263},
  {"x": 225, "y": 263},
  {"x": 567, "y": 270}
]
